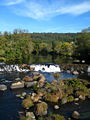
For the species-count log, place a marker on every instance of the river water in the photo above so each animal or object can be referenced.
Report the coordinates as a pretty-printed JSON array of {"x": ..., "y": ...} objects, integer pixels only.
[{"x": 10, "y": 105}]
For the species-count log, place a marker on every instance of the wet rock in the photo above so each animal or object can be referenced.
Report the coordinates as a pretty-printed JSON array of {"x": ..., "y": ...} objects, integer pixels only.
[
  {"x": 3, "y": 87},
  {"x": 75, "y": 115},
  {"x": 17, "y": 85},
  {"x": 28, "y": 79},
  {"x": 41, "y": 108},
  {"x": 56, "y": 107},
  {"x": 30, "y": 84}
]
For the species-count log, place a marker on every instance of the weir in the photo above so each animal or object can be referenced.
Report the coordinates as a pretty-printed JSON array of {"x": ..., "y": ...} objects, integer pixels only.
[{"x": 37, "y": 67}]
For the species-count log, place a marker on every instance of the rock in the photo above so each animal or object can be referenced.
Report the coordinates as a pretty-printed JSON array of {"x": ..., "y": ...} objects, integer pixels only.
[
  {"x": 81, "y": 97},
  {"x": 75, "y": 115},
  {"x": 35, "y": 98},
  {"x": 64, "y": 100},
  {"x": 76, "y": 99},
  {"x": 30, "y": 84},
  {"x": 41, "y": 108},
  {"x": 68, "y": 71},
  {"x": 17, "y": 85},
  {"x": 28, "y": 79},
  {"x": 3, "y": 87},
  {"x": 32, "y": 68},
  {"x": 75, "y": 72},
  {"x": 18, "y": 79},
  {"x": 31, "y": 115},
  {"x": 24, "y": 94},
  {"x": 56, "y": 107},
  {"x": 88, "y": 70},
  {"x": 76, "y": 103}
]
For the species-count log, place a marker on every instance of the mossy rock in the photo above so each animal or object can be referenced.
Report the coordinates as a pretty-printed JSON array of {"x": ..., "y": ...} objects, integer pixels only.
[
  {"x": 41, "y": 108},
  {"x": 57, "y": 117},
  {"x": 27, "y": 103}
]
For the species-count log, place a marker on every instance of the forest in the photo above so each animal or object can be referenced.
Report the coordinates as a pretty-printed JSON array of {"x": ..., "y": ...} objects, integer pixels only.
[{"x": 20, "y": 44}]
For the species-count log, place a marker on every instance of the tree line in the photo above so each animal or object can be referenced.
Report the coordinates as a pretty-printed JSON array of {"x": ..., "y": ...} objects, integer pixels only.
[{"x": 19, "y": 45}]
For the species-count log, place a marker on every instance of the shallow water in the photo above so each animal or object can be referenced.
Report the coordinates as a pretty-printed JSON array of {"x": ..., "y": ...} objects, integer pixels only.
[{"x": 10, "y": 105}]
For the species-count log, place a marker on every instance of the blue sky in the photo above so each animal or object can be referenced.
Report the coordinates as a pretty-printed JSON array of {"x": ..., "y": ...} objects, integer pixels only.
[{"x": 45, "y": 15}]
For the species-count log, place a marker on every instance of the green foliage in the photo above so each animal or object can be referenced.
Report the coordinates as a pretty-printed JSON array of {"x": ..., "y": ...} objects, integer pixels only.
[{"x": 18, "y": 46}]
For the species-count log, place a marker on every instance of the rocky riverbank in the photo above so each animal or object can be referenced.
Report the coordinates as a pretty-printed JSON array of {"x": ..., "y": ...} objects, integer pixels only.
[{"x": 57, "y": 93}]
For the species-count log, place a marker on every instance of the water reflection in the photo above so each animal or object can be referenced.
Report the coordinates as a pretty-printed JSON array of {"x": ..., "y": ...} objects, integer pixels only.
[{"x": 48, "y": 59}]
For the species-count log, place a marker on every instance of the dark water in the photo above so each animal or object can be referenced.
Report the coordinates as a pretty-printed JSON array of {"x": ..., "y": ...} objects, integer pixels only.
[
  {"x": 35, "y": 59},
  {"x": 10, "y": 105}
]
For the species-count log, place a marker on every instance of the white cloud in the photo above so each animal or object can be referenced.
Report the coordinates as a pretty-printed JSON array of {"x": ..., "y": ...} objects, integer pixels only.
[
  {"x": 46, "y": 9},
  {"x": 11, "y": 2}
]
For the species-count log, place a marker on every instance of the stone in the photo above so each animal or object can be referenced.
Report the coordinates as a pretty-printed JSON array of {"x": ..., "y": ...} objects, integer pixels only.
[
  {"x": 30, "y": 84},
  {"x": 24, "y": 94},
  {"x": 18, "y": 79},
  {"x": 81, "y": 97},
  {"x": 76, "y": 115},
  {"x": 64, "y": 100},
  {"x": 41, "y": 108},
  {"x": 17, "y": 85},
  {"x": 76, "y": 99},
  {"x": 3, "y": 87},
  {"x": 56, "y": 107},
  {"x": 75, "y": 72},
  {"x": 31, "y": 115},
  {"x": 28, "y": 79}
]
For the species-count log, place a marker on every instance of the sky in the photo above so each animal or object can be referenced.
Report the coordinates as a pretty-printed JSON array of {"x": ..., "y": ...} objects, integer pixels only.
[{"x": 61, "y": 16}]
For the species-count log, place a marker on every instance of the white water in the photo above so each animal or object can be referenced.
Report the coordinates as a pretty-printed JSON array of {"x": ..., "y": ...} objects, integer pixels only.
[
  {"x": 43, "y": 68},
  {"x": 46, "y": 68}
]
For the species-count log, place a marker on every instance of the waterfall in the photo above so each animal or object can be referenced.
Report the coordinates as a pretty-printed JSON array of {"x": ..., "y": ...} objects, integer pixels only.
[
  {"x": 37, "y": 67},
  {"x": 47, "y": 68}
]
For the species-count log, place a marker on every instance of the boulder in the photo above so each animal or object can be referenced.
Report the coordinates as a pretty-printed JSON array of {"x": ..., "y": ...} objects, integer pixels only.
[
  {"x": 17, "y": 85},
  {"x": 76, "y": 115},
  {"x": 3, "y": 87},
  {"x": 30, "y": 84},
  {"x": 41, "y": 108}
]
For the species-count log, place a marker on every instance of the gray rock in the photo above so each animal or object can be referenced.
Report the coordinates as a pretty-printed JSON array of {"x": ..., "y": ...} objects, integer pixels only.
[
  {"x": 75, "y": 115},
  {"x": 3, "y": 87},
  {"x": 30, "y": 84}
]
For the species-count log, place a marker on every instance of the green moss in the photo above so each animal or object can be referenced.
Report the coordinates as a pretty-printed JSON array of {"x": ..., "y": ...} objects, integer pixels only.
[
  {"x": 27, "y": 103},
  {"x": 70, "y": 98},
  {"x": 57, "y": 117},
  {"x": 51, "y": 97},
  {"x": 41, "y": 108}
]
